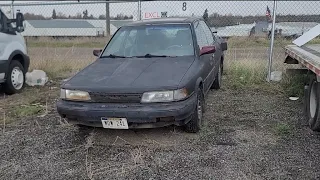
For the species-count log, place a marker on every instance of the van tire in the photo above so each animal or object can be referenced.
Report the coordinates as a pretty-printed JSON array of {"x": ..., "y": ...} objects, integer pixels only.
[{"x": 9, "y": 87}]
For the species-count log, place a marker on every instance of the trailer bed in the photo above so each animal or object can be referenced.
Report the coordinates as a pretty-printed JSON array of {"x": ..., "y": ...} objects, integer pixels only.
[{"x": 308, "y": 55}]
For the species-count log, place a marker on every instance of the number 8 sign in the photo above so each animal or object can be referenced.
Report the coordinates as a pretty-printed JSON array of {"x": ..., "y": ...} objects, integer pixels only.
[{"x": 184, "y": 6}]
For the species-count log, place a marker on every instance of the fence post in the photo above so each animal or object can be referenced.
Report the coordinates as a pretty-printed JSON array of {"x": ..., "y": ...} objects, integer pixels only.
[
  {"x": 107, "y": 19},
  {"x": 139, "y": 10},
  {"x": 272, "y": 40},
  {"x": 12, "y": 9}
]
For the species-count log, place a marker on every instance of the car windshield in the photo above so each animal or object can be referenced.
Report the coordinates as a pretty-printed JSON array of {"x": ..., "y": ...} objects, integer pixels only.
[{"x": 151, "y": 40}]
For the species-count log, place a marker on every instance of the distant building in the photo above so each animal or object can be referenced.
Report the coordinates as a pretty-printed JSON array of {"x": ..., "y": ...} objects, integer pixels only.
[
  {"x": 263, "y": 29},
  {"x": 70, "y": 27}
]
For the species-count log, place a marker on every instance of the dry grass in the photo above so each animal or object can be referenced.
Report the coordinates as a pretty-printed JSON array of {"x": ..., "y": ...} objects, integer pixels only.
[
  {"x": 60, "y": 62},
  {"x": 94, "y": 42},
  {"x": 99, "y": 42}
]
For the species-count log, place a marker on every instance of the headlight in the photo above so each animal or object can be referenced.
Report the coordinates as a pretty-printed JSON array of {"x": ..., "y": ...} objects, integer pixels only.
[
  {"x": 164, "y": 96},
  {"x": 74, "y": 95}
]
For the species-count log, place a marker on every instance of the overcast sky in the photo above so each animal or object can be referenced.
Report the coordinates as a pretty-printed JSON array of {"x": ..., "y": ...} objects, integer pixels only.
[{"x": 175, "y": 7}]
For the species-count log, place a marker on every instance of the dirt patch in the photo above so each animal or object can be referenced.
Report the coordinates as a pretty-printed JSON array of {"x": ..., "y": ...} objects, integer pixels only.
[{"x": 239, "y": 142}]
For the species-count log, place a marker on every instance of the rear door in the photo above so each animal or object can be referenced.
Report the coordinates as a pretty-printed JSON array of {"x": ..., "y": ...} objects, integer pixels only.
[{"x": 206, "y": 60}]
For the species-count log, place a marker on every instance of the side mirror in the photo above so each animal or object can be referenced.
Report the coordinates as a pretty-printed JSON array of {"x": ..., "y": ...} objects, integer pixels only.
[
  {"x": 19, "y": 22},
  {"x": 19, "y": 19},
  {"x": 97, "y": 52},
  {"x": 224, "y": 46},
  {"x": 207, "y": 50},
  {"x": 214, "y": 32}
]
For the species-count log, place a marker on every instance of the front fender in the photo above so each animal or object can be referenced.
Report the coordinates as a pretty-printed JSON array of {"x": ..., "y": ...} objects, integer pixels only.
[{"x": 198, "y": 82}]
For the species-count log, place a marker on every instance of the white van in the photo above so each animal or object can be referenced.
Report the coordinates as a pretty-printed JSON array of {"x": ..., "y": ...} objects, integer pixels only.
[{"x": 14, "y": 61}]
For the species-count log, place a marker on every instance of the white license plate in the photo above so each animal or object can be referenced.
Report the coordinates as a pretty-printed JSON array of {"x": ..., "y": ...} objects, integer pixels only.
[{"x": 114, "y": 123}]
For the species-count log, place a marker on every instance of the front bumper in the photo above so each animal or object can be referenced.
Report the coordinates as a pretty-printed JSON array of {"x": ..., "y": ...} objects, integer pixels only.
[{"x": 138, "y": 115}]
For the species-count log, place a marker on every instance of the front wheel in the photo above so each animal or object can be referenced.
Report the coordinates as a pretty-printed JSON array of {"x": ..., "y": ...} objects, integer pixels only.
[
  {"x": 196, "y": 123},
  {"x": 15, "y": 81}
]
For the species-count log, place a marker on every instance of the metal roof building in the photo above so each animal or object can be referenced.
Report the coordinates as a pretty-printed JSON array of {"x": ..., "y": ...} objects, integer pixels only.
[
  {"x": 69, "y": 27},
  {"x": 288, "y": 28}
]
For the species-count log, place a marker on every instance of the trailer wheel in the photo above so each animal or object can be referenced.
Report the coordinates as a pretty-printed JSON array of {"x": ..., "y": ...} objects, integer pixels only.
[{"x": 313, "y": 108}]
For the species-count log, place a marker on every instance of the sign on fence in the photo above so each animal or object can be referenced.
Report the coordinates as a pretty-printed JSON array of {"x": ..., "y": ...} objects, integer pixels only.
[{"x": 152, "y": 13}]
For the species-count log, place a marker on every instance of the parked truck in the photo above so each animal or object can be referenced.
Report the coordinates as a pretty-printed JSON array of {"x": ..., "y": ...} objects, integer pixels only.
[
  {"x": 14, "y": 61},
  {"x": 308, "y": 56}
]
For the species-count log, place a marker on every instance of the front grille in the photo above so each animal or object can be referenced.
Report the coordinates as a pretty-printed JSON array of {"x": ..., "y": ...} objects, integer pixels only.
[{"x": 115, "y": 98}]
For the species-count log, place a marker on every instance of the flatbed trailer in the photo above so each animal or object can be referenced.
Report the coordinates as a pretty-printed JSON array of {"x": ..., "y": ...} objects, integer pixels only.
[{"x": 309, "y": 57}]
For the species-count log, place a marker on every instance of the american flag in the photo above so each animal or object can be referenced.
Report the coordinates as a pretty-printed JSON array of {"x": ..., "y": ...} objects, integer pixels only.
[{"x": 268, "y": 14}]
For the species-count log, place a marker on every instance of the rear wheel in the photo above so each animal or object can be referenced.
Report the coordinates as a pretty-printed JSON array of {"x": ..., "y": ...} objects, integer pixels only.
[
  {"x": 196, "y": 123},
  {"x": 15, "y": 81},
  {"x": 313, "y": 108},
  {"x": 218, "y": 79}
]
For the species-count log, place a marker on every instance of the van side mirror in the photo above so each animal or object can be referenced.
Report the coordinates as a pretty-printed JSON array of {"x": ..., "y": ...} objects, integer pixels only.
[
  {"x": 19, "y": 19},
  {"x": 19, "y": 22}
]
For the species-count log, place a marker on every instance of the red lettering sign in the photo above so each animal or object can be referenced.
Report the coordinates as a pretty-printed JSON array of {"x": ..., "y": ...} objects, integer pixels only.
[{"x": 151, "y": 15}]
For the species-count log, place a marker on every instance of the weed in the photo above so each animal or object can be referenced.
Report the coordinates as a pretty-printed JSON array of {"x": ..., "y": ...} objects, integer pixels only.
[
  {"x": 245, "y": 73},
  {"x": 294, "y": 85},
  {"x": 283, "y": 129},
  {"x": 27, "y": 110}
]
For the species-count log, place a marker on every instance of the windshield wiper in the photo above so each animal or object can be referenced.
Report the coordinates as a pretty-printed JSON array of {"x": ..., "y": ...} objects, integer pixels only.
[
  {"x": 151, "y": 56},
  {"x": 113, "y": 56}
]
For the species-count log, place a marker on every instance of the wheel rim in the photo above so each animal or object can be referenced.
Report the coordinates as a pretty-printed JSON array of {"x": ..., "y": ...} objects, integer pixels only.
[
  {"x": 17, "y": 78},
  {"x": 313, "y": 101},
  {"x": 199, "y": 110}
]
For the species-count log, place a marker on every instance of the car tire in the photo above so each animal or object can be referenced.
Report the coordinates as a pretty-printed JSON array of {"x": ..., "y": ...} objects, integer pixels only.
[
  {"x": 15, "y": 81},
  {"x": 218, "y": 79},
  {"x": 313, "y": 105},
  {"x": 196, "y": 122}
]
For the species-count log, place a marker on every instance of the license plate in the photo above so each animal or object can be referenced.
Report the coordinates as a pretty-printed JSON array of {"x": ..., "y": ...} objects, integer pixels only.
[{"x": 114, "y": 123}]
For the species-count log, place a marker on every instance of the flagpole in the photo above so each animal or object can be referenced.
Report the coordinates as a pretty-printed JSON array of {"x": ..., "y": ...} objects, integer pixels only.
[{"x": 272, "y": 40}]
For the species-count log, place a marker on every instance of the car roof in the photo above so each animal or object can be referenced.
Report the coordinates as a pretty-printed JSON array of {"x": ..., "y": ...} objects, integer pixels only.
[{"x": 168, "y": 20}]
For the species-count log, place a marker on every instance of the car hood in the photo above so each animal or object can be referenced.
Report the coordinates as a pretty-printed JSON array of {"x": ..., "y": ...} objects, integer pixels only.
[{"x": 131, "y": 75}]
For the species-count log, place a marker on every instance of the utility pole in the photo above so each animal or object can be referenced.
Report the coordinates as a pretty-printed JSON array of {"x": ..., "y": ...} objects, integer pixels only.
[{"x": 107, "y": 19}]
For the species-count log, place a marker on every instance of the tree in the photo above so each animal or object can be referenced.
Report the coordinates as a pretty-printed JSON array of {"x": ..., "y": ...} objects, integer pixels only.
[
  {"x": 206, "y": 15},
  {"x": 85, "y": 14},
  {"x": 54, "y": 14},
  {"x": 102, "y": 16}
]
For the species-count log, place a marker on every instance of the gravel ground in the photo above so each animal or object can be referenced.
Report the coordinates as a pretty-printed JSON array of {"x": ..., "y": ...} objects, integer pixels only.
[{"x": 249, "y": 135}]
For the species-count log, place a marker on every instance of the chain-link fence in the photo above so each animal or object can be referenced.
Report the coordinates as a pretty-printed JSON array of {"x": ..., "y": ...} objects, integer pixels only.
[{"x": 60, "y": 38}]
